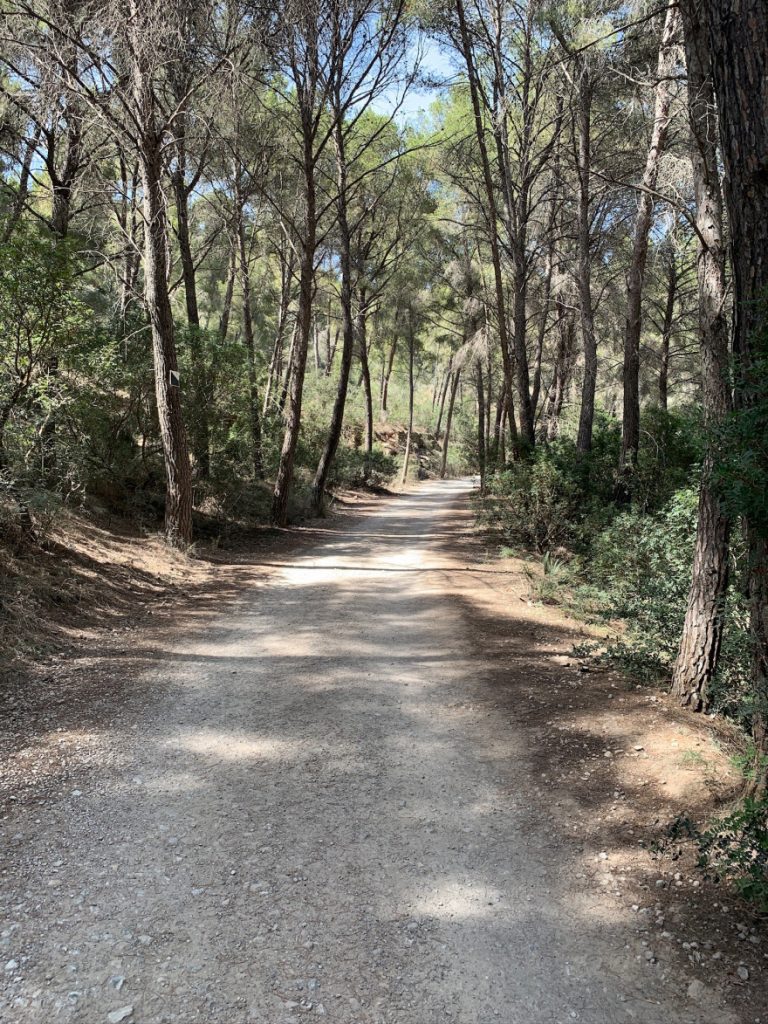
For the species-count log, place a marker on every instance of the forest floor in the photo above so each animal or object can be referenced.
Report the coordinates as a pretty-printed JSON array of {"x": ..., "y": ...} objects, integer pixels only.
[{"x": 356, "y": 773}]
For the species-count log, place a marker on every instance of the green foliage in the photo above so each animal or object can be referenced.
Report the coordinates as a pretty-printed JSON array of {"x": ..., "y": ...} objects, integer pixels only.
[
  {"x": 556, "y": 498},
  {"x": 631, "y": 563},
  {"x": 42, "y": 320},
  {"x": 642, "y": 564},
  {"x": 352, "y": 468},
  {"x": 736, "y": 848}
]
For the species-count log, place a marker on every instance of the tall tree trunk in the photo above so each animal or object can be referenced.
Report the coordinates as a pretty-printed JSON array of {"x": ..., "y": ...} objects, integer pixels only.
[
  {"x": 448, "y": 419},
  {"x": 347, "y": 324},
  {"x": 566, "y": 330},
  {"x": 542, "y": 332},
  {"x": 443, "y": 394},
  {"x": 287, "y": 380},
  {"x": 666, "y": 330},
  {"x": 498, "y": 430},
  {"x": 254, "y": 419},
  {"x": 409, "y": 439},
  {"x": 275, "y": 363},
  {"x": 17, "y": 206},
  {"x": 199, "y": 434},
  {"x": 480, "y": 424},
  {"x": 630, "y": 436},
  {"x": 178, "y": 502},
  {"x": 365, "y": 370},
  {"x": 229, "y": 289},
  {"x": 584, "y": 258},
  {"x": 387, "y": 374},
  {"x": 739, "y": 46},
  {"x": 298, "y": 363},
  {"x": 521, "y": 363}
]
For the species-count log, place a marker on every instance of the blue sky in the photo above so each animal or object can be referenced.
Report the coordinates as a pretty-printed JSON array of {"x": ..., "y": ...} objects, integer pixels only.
[{"x": 435, "y": 63}]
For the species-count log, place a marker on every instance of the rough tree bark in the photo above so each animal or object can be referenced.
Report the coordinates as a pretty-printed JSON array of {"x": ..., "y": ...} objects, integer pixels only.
[{"x": 738, "y": 36}]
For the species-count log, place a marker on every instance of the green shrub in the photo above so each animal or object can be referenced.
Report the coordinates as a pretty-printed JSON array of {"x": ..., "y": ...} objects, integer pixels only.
[
  {"x": 352, "y": 468},
  {"x": 736, "y": 848}
]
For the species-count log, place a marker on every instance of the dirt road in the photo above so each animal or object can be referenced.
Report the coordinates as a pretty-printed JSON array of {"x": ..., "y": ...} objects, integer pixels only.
[{"x": 313, "y": 819}]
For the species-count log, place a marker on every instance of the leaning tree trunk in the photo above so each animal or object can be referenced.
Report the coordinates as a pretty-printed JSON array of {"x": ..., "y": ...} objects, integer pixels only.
[
  {"x": 448, "y": 419},
  {"x": 443, "y": 395},
  {"x": 738, "y": 36},
  {"x": 347, "y": 327},
  {"x": 630, "y": 435}
]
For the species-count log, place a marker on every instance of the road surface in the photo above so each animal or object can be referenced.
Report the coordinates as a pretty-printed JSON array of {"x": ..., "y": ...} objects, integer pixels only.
[{"x": 311, "y": 819}]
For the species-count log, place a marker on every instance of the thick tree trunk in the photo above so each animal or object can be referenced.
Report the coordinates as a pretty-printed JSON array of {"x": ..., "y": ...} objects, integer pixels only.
[
  {"x": 739, "y": 45},
  {"x": 702, "y": 631},
  {"x": 630, "y": 437}
]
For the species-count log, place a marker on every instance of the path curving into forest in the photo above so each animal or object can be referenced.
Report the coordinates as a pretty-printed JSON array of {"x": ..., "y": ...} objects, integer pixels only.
[{"x": 315, "y": 818}]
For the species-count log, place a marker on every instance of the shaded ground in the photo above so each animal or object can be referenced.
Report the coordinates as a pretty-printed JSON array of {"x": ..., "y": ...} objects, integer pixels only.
[{"x": 361, "y": 780}]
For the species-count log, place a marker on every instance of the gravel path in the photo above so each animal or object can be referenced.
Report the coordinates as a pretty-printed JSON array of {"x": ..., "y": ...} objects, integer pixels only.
[{"x": 311, "y": 821}]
